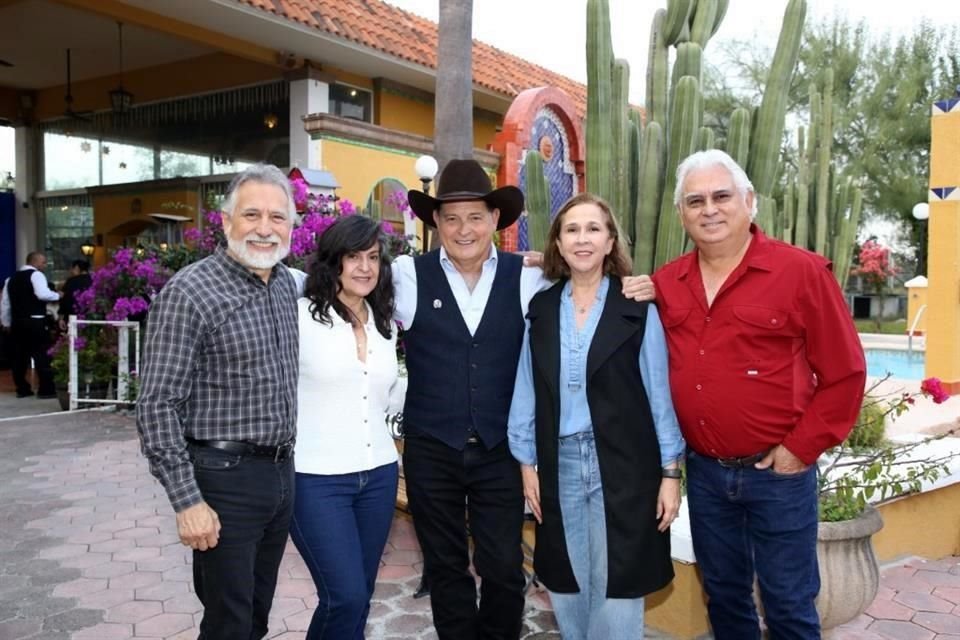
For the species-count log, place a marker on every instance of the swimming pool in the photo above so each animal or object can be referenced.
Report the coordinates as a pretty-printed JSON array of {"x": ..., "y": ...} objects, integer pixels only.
[{"x": 899, "y": 364}]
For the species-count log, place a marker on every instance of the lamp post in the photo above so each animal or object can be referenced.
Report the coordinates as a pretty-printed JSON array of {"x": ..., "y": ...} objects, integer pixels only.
[
  {"x": 426, "y": 168},
  {"x": 921, "y": 211}
]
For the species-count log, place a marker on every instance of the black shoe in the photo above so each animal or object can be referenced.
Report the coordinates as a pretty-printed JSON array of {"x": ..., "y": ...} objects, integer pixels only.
[
  {"x": 46, "y": 396},
  {"x": 24, "y": 394}
]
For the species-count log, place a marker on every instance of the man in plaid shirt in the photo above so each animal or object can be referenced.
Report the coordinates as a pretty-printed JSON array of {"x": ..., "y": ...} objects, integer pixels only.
[{"x": 217, "y": 408}]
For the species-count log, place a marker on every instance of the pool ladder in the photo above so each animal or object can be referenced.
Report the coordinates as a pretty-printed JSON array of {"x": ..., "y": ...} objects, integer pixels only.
[{"x": 913, "y": 330}]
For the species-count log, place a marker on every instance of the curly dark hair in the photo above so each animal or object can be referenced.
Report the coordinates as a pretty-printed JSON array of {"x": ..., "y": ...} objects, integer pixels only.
[{"x": 347, "y": 235}]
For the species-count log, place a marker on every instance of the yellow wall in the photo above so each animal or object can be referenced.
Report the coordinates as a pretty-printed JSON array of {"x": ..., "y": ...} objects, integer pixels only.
[
  {"x": 358, "y": 167},
  {"x": 937, "y": 513},
  {"x": 680, "y": 608},
  {"x": 416, "y": 116},
  {"x": 943, "y": 261}
]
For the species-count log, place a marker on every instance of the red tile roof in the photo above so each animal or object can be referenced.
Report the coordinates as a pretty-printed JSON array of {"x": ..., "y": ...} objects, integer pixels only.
[{"x": 402, "y": 34}]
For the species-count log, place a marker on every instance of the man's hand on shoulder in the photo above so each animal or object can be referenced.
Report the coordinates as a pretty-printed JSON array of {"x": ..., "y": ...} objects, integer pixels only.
[
  {"x": 639, "y": 288},
  {"x": 782, "y": 461},
  {"x": 199, "y": 527},
  {"x": 531, "y": 258}
]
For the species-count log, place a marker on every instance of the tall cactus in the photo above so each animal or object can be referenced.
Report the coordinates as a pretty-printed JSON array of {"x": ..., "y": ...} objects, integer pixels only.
[
  {"x": 537, "y": 201},
  {"x": 674, "y": 113},
  {"x": 599, "y": 98},
  {"x": 619, "y": 196},
  {"x": 765, "y": 143}
]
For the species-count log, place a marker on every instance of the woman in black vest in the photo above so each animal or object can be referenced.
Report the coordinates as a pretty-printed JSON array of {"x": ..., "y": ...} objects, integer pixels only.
[{"x": 592, "y": 413}]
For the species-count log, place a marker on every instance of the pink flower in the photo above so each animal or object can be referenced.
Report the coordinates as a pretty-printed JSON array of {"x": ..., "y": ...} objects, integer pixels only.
[
  {"x": 192, "y": 235},
  {"x": 934, "y": 388}
]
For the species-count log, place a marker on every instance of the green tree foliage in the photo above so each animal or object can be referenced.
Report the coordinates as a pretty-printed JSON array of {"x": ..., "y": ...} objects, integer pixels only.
[{"x": 883, "y": 88}]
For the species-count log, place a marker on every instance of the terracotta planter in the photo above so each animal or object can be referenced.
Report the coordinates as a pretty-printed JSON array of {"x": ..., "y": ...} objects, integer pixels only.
[{"x": 849, "y": 573}]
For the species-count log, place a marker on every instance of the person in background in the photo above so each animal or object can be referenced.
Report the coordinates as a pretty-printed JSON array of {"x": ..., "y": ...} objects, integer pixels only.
[
  {"x": 217, "y": 411},
  {"x": 346, "y": 458},
  {"x": 593, "y": 428},
  {"x": 767, "y": 372},
  {"x": 78, "y": 281},
  {"x": 23, "y": 312}
]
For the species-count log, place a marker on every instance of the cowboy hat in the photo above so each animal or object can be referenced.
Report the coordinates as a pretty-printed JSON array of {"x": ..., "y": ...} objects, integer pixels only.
[{"x": 463, "y": 180}]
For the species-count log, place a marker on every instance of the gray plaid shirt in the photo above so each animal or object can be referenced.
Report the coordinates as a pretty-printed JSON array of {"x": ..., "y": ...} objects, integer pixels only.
[{"x": 219, "y": 363}]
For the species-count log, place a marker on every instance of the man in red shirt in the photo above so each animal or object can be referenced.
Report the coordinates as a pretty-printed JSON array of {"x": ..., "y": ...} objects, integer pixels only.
[{"x": 766, "y": 371}]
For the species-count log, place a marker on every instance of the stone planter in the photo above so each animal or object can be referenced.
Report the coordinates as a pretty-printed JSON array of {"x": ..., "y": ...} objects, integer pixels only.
[{"x": 849, "y": 573}]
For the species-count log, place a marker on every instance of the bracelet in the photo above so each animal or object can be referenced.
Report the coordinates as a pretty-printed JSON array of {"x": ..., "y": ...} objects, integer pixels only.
[{"x": 674, "y": 474}]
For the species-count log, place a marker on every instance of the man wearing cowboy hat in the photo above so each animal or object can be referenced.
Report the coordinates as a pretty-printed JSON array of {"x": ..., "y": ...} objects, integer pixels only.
[{"x": 462, "y": 308}]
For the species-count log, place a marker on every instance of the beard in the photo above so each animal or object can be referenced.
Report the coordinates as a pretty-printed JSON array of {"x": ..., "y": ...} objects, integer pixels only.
[{"x": 258, "y": 259}]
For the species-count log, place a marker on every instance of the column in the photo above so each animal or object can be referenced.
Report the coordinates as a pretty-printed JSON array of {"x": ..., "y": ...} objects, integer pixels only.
[
  {"x": 943, "y": 246},
  {"x": 309, "y": 93},
  {"x": 28, "y": 220}
]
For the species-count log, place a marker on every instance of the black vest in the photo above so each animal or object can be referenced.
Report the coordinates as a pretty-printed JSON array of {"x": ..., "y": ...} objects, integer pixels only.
[
  {"x": 23, "y": 301},
  {"x": 458, "y": 382},
  {"x": 628, "y": 452}
]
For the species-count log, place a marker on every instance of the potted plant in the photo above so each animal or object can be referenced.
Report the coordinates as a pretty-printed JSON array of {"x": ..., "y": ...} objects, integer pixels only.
[{"x": 865, "y": 468}]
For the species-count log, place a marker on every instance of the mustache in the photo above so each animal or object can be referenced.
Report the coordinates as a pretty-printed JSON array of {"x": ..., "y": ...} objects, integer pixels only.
[{"x": 255, "y": 237}]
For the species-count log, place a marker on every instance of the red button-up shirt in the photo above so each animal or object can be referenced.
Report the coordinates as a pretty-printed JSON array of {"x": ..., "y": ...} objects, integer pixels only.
[{"x": 774, "y": 360}]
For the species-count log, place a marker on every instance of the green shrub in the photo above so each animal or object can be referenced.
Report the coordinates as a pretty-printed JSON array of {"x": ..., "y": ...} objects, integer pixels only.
[{"x": 868, "y": 431}]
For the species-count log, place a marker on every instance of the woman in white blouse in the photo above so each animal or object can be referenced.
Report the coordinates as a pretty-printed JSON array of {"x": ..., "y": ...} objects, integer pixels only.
[{"x": 346, "y": 483}]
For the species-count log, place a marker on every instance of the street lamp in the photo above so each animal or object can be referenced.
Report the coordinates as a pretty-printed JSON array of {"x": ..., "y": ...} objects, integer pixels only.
[
  {"x": 921, "y": 211},
  {"x": 87, "y": 248},
  {"x": 426, "y": 168}
]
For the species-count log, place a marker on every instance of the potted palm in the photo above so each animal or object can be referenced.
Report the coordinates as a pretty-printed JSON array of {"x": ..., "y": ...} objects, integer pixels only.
[{"x": 866, "y": 468}]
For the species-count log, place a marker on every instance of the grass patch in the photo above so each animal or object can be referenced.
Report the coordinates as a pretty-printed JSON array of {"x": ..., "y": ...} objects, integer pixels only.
[{"x": 887, "y": 326}]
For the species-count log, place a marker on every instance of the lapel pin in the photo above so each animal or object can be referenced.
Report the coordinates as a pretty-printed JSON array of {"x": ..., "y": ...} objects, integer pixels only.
[{"x": 437, "y": 304}]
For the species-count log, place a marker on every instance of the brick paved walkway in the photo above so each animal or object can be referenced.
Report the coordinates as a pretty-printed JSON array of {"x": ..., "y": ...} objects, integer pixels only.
[{"x": 88, "y": 551}]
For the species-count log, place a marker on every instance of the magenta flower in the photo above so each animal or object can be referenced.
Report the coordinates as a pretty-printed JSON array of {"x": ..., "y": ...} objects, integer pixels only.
[{"x": 933, "y": 387}]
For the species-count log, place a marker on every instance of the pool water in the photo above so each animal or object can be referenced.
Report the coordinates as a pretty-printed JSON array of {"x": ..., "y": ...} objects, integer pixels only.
[{"x": 899, "y": 364}]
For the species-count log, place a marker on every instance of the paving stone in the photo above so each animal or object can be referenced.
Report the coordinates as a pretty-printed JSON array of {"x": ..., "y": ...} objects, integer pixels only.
[
  {"x": 948, "y": 593},
  {"x": 78, "y": 587},
  {"x": 136, "y": 580},
  {"x": 161, "y": 564},
  {"x": 86, "y": 560},
  {"x": 105, "y": 631},
  {"x": 19, "y": 628},
  {"x": 137, "y": 532},
  {"x": 900, "y": 630},
  {"x": 162, "y": 591},
  {"x": 924, "y": 602},
  {"x": 164, "y": 624},
  {"x": 72, "y": 620},
  {"x": 133, "y": 612},
  {"x": 938, "y": 622},
  {"x": 182, "y": 573},
  {"x": 939, "y": 579},
  {"x": 186, "y": 603},
  {"x": 110, "y": 569},
  {"x": 112, "y": 546},
  {"x": 106, "y": 598},
  {"x": 136, "y": 554}
]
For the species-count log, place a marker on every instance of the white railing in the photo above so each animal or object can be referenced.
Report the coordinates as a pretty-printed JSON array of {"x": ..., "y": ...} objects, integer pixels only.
[
  {"x": 123, "y": 360},
  {"x": 913, "y": 329}
]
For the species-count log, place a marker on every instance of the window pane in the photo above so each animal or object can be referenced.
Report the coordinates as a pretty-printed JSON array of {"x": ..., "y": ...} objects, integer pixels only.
[
  {"x": 126, "y": 162},
  {"x": 7, "y": 152},
  {"x": 176, "y": 163},
  {"x": 70, "y": 162},
  {"x": 68, "y": 227},
  {"x": 351, "y": 102}
]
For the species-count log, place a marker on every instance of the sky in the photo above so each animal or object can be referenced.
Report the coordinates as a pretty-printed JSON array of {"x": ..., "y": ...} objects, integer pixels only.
[{"x": 552, "y": 33}]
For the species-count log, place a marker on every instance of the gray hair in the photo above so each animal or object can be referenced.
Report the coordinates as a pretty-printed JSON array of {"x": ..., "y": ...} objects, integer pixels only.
[
  {"x": 707, "y": 160},
  {"x": 264, "y": 174}
]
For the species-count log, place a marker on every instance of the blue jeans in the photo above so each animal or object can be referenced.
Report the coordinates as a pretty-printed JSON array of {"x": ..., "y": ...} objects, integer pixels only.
[
  {"x": 590, "y": 613},
  {"x": 340, "y": 526},
  {"x": 746, "y": 521},
  {"x": 235, "y": 581}
]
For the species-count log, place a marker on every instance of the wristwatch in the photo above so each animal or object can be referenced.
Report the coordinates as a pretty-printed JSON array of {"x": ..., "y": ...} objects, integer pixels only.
[{"x": 674, "y": 473}]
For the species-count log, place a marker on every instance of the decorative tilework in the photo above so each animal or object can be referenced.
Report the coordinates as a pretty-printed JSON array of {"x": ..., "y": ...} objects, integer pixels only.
[
  {"x": 946, "y": 106},
  {"x": 558, "y": 169},
  {"x": 944, "y": 193}
]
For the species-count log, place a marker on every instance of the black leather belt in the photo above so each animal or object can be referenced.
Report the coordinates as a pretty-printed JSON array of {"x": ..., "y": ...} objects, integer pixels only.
[
  {"x": 277, "y": 453},
  {"x": 740, "y": 463}
]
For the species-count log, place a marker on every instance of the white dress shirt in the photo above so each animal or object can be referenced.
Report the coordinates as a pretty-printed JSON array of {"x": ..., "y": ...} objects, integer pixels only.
[
  {"x": 40, "y": 289},
  {"x": 342, "y": 403},
  {"x": 471, "y": 303}
]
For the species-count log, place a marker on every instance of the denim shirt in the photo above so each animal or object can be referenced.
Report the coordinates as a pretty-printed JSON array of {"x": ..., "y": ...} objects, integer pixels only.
[{"x": 574, "y": 409}]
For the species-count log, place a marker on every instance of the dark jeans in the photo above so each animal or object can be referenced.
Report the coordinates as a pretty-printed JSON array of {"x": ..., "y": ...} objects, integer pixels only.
[
  {"x": 746, "y": 521},
  {"x": 340, "y": 526},
  {"x": 235, "y": 580},
  {"x": 441, "y": 484},
  {"x": 29, "y": 338}
]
